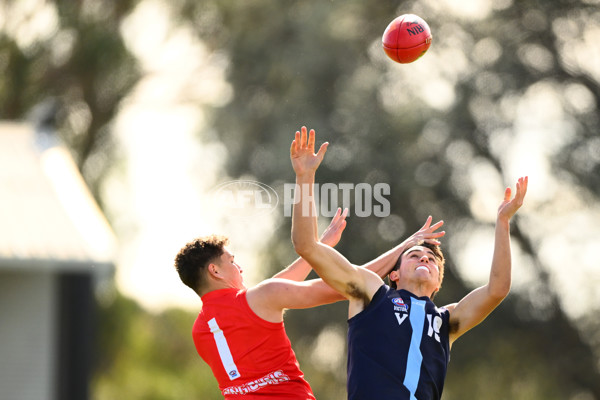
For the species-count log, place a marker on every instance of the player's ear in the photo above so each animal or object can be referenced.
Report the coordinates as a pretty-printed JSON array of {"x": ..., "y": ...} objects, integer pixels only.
[
  {"x": 213, "y": 271},
  {"x": 394, "y": 275}
]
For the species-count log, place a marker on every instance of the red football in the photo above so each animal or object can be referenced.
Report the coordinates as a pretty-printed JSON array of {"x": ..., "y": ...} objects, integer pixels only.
[{"x": 406, "y": 38}]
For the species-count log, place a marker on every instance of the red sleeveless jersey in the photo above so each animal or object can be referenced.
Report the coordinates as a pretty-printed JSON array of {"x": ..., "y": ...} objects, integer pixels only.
[{"x": 250, "y": 357}]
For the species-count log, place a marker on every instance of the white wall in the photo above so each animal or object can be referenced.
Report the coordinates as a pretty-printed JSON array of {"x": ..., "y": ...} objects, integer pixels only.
[{"x": 27, "y": 335}]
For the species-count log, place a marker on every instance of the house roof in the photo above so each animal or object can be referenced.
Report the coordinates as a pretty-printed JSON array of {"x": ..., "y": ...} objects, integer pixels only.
[{"x": 48, "y": 217}]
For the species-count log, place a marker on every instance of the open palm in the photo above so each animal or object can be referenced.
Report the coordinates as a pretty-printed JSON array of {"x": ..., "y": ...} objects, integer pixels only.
[{"x": 302, "y": 152}]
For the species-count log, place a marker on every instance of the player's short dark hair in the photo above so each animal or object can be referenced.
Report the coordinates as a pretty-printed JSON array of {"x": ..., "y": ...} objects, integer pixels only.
[
  {"x": 195, "y": 256},
  {"x": 437, "y": 253}
]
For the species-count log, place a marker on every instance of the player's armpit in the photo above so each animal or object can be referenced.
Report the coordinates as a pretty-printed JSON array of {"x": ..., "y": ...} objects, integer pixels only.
[{"x": 360, "y": 296}]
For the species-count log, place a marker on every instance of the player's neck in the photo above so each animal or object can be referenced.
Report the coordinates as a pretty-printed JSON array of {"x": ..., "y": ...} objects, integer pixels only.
[
  {"x": 218, "y": 285},
  {"x": 419, "y": 289}
]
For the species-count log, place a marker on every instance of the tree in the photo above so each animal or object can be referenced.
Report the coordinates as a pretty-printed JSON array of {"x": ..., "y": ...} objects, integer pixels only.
[{"x": 69, "y": 58}]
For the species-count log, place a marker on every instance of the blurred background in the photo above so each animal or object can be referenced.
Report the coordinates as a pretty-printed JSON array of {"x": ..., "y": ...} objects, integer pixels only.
[{"x": 120, "y": 118}]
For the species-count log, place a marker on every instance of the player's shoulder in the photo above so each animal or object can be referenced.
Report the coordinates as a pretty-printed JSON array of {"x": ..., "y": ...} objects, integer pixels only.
[
  {"x": 264, "y": 299},
  {"x": 371, "y": 281},
  {"x": 272, "y": 284},
  {"x": 448, "y": 309},
  {"x": 270, "y": 289}
]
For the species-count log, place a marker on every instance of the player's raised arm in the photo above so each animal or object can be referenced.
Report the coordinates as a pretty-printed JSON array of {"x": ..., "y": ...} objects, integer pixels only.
[
  {"x": 478, "y": 304},
  {"x": 300, "y": 268},
  {"x": 352, "y": 282}
]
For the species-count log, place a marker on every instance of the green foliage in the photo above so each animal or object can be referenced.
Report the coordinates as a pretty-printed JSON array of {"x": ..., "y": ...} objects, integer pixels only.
[{"x": 148, "y": 356}]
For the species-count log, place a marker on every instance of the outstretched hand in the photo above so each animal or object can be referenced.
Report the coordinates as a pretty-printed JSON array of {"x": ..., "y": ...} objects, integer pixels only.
[
  {"x": 302, "y": 152},
  {"x": 427, "y": 234},
  {"x": 509, "y": 206},
  {"x": 332, "y": 235}
]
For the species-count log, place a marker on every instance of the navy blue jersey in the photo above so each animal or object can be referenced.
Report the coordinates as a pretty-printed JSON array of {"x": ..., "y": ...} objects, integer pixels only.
[{"x": 398, "y": 348}]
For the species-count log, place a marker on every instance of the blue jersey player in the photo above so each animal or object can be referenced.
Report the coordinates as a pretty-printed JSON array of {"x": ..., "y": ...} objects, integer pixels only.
[{"x": 398, "y": 340}]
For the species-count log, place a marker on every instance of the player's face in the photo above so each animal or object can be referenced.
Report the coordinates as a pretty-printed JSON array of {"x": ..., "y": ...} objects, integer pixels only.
[
  {"x": 419, "y": 263},
  {"x": 231, "y": 271}
]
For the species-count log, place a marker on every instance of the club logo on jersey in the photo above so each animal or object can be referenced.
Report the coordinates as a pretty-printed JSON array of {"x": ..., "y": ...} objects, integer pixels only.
[
  {"x": 399, "y": 304},
  {"x": 234, "y": 374}
]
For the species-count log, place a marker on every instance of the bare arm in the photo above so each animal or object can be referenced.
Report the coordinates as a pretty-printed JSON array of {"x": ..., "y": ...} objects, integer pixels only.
[
  {"x": 271, "y": 297},
  {"x": 299, "y": 269},
  {"x": 478, "y": 304},
  {"x": 356, "y": 284},
  {"x": 382, "y": 265},
  {"x": 334, "y": 268}
]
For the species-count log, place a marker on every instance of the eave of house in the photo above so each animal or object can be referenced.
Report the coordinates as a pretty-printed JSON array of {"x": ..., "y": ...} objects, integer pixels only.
[{"x": 48, "y": 217}]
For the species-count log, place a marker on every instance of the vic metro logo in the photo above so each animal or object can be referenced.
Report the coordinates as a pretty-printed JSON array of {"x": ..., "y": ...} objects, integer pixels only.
[{"x": 399, "y": 304}]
